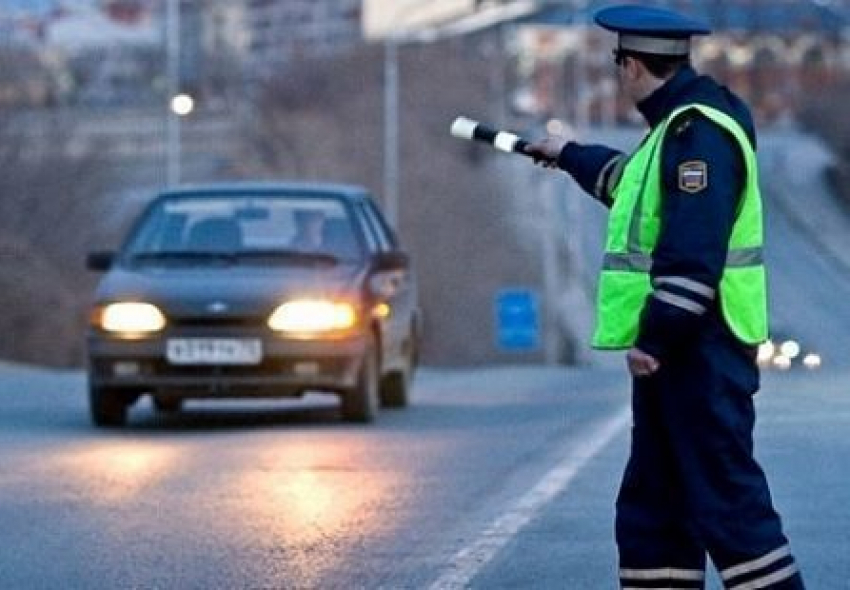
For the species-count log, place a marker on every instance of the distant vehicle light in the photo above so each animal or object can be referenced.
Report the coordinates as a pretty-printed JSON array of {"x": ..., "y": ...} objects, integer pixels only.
[
  {"x": 812, "y": 361},
  {"x": 766, "y": 352},
  {"x": 131, "y": 318},
  {"x": 790, "y": 348},
  {"x": 312, "y": 316},
  {"x": 782, "y": 362}
]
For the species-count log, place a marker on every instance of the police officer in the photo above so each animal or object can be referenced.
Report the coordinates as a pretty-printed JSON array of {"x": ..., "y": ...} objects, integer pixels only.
[{"x": 683, "y": 290}]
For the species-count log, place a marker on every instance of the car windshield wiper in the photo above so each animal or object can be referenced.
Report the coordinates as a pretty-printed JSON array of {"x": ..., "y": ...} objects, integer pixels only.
[
  {"x": 296, "y": 256},
  {"x": 188, "y": 255}
]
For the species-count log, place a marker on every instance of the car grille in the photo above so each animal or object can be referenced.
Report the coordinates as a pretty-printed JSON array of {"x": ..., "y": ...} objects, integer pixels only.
[
  {"x": 218, "y": 322},
  {"x": 267, "y": 367},
  {"x": 275, "y": 366}
]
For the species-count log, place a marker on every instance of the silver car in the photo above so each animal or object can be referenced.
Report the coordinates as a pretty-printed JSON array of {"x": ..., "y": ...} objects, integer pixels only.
[{"x": 240, "y": 290}]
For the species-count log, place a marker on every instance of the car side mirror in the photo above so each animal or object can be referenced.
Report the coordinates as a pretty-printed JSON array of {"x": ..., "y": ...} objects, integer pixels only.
[
  {"x": 100, "y": 261},
  {"x": 387, "y": 261}
]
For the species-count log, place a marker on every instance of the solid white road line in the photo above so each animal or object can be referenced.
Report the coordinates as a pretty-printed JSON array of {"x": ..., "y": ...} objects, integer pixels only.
[{"x": 470, "y": 560}]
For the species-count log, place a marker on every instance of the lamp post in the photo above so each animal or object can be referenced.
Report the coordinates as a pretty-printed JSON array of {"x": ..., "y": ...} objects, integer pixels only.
[
  {"x": 391, "y": 122},
  {"x": 172, "y": 24},
  {"x": 464, "y": 23}
]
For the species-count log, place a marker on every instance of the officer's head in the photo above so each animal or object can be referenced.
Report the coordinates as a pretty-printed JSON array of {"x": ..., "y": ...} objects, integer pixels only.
[{"x": 652, "y": 43}]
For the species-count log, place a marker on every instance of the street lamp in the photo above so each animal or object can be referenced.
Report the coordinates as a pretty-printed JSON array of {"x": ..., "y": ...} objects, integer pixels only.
[
  {"x": 467, "y": 19},
  {"x": 182, "y": 104},
  {"x": 172, "y": 23},
  {"x": 391, "y": 122}
]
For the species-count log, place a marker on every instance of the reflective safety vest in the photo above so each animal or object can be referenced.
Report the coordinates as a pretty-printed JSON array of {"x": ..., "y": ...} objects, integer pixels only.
[{"x": 633, "y": 226}]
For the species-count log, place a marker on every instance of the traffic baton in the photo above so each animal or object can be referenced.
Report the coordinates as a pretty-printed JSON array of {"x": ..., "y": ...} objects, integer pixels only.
[{"x": 466, "y": 128}]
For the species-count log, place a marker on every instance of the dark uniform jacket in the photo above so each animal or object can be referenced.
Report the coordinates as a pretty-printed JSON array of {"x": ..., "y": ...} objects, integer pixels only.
[{"x": 696, "y": 226}]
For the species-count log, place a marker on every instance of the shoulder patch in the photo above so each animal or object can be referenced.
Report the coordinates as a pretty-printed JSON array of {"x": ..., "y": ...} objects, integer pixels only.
[{"x": 693, "y": 176}]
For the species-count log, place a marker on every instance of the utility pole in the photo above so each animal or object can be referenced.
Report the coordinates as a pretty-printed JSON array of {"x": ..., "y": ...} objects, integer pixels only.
[
  {"x": 391, "y": 133},
  {"x": 172, "y": 24}
]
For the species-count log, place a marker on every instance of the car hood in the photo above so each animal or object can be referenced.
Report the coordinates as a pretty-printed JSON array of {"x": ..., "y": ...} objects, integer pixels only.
[{"x": 227, "y": 291}]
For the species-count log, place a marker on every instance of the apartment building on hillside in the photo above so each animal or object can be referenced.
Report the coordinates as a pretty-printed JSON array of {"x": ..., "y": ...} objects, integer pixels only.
[{"x": 282, "y": 30}]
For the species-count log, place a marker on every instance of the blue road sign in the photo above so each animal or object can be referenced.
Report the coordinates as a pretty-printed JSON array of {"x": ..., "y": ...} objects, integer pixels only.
[{"x": 517, "y": 324}]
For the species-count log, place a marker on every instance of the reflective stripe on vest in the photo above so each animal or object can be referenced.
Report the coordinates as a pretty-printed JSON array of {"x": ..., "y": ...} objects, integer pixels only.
[{"x": 633, "y": 228}]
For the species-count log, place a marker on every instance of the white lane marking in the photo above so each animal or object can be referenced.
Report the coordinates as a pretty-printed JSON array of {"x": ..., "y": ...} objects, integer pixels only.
[{"x": 470, "y": 560}]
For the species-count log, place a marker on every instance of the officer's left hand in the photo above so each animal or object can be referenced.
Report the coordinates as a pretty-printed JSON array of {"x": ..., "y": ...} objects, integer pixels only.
[
  {"x": 640, "y": 363},
  {"x": 546, "y": 151}
]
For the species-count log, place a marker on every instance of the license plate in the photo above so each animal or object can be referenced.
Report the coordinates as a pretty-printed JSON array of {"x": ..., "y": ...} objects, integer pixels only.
[{"x": 214, "y": 351}]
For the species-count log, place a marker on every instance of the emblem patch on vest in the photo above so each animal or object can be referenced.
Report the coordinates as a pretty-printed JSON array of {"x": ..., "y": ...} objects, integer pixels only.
[{"x": 693, "y": 176}]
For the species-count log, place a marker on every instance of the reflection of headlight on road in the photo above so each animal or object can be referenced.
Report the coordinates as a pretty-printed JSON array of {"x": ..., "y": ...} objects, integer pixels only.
[
  {"x": 130, "y": 318},
  {"x": 790, "y": 348},
  {"x": 812, "y": 361},
  {"x": 782, "y": 362},
  {"x": 313, "y": 316}
]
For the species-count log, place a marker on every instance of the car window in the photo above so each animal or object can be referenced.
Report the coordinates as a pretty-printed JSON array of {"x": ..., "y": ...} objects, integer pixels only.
[
  {"x": 374, "y": 230},
  {"x": 248, "y": 224},
  {"x": 385, "y": 233},
  {"x": 368, "y": 229}
]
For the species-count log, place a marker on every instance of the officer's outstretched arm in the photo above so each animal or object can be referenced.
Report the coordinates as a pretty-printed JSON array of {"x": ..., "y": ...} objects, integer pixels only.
[{"x": 596, "y": 168}]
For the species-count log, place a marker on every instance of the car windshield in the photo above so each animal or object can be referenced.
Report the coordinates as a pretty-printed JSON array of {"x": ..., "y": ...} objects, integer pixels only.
[{"x": 255, "y": 229}]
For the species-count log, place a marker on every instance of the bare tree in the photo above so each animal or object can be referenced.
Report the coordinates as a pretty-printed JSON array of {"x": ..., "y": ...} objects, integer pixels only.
[
  {"x": 50, "y": 199},
  {"x": 317, "y": 119}
]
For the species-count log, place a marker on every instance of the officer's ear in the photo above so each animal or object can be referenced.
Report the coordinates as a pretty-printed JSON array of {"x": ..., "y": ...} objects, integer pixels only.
[
  {"x": 634, "y": 66},
  {"x": 628, "y": 66},
  {"x": 636, "y": 70}
]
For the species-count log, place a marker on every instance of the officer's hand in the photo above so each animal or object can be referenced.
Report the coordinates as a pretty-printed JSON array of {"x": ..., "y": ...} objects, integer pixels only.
[
  {"x": 546, "y": 151},
  {"x": 641, "y": 364}
]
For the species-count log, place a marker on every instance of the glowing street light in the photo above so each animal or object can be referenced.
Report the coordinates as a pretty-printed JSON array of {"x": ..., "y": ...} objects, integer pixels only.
[{"x": 182, "y": 105}]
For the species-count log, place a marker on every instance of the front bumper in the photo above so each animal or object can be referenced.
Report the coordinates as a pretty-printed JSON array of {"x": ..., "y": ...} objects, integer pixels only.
[{"x": 288, "y": 367}]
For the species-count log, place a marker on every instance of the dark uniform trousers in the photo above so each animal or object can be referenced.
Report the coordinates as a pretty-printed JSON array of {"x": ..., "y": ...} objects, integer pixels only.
[{"x": 692, "y": 485}]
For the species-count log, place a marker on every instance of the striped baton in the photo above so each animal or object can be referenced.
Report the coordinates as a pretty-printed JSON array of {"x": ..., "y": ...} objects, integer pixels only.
[{"x": 466, "y": 128}]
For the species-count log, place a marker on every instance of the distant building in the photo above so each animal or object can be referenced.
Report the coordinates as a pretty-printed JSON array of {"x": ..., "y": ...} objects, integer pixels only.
[
  {"x": 219, "y": 40},
  {"x": 773, "y": 53},
  {"x": 70, "y": 25},
  {"x": 214, "y": 44},
  {"x": 282, "y": 30}
]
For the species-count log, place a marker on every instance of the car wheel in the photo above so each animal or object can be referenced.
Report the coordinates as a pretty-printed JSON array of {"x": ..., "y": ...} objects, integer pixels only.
[
  {"x": 395, "y": 387},
  {"x": 361, "y": 403},
  {"x": 167, "y": 405},
  {"x": 108, "y": 407},
  {"x": 394, "y": 390}
]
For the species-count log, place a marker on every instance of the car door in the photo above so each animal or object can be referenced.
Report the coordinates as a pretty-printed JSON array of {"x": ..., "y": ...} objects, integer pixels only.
[{"x": 393, "y": 278}]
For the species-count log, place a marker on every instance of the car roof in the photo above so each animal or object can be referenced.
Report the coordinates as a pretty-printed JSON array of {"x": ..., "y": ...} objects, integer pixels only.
[{"x": 348, "y": 192}]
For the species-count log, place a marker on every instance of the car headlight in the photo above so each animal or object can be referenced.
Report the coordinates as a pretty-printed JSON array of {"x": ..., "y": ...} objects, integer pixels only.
[
  {"x": 312, "y": 316},
  {"x": 130, "y": 318}
]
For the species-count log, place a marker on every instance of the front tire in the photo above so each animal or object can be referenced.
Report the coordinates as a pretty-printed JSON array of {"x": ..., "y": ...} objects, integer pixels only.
[
  {"x": 395, "y": 387},
  {"x": 395, "y": 390},
  {"x": 108, "y": 407},
  {"x": 360, "y": 404}
]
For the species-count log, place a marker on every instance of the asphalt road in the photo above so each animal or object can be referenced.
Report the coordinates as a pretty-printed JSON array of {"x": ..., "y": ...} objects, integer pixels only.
[
  {"x": 495, "y": 478},
  {"x": 275, "y": 496}
]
